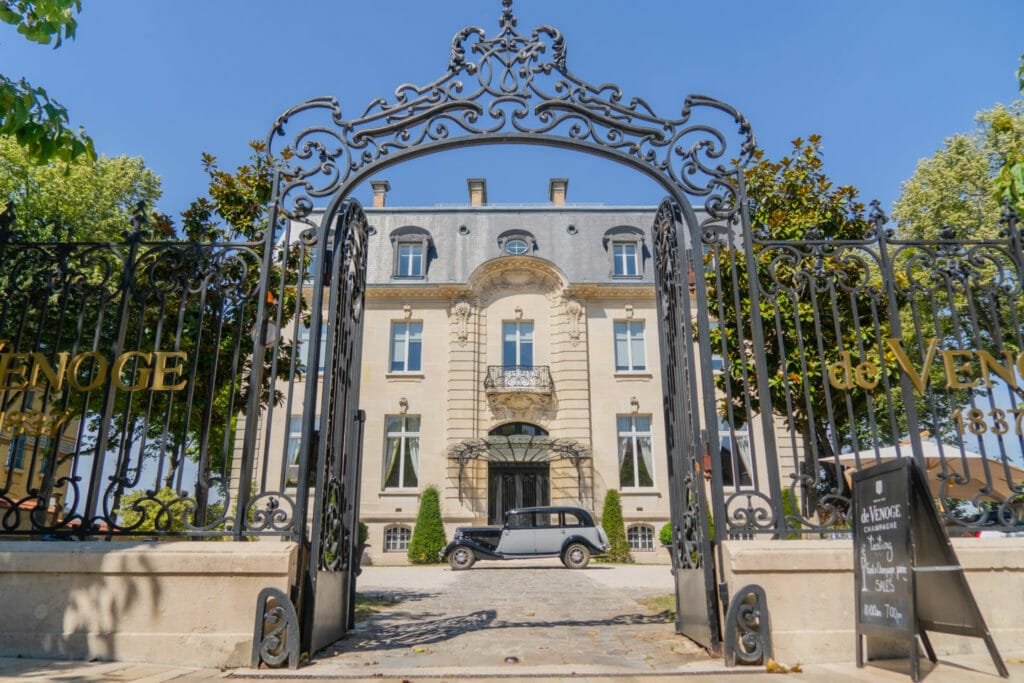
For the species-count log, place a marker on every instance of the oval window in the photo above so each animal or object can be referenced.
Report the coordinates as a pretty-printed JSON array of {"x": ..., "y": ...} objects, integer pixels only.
[{"x": 516, "y": 247}]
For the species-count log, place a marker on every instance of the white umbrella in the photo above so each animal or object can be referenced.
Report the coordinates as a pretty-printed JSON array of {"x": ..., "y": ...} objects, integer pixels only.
[{"x": 977, "y": 470}]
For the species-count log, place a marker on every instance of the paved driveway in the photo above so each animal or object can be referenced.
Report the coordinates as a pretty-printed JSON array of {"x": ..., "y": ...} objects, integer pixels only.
[{"x": 514, "y": 618}]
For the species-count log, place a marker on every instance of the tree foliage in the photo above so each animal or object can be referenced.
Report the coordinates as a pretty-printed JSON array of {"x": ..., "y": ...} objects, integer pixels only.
[
  {"x": 82, "y": 200},
  {"x": 27, "y": 113},
  {"x": 1009, "y": 181},
  {"x": 428, "y": 539},
  {"x": 962, "y": 185},
  {"x": 957, "y": 194},
  {"x": 615, "y": 527},
  {"x": 793, "y": 199}
]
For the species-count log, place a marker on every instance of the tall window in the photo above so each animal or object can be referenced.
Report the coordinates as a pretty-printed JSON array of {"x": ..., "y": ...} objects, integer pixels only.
[
  {"x": 16, "y": 453},
  {"x": 735, "y": 443},
  {"x": 640, "y": 538},
  {"x": 410, "y": 259},
  {"x": 294, "y": 439},
  {"x": 402, "y": 452},
  {"x": 396, "y": 539},
  {"x": 629, "y": 345},
  {"x": 624, "y": 259},
  {"x": 635, "y": 461},
  {"x": 517, "y": 344},
  {"x": 406, "y": 347},
  {"x": 305, "y": 348}
]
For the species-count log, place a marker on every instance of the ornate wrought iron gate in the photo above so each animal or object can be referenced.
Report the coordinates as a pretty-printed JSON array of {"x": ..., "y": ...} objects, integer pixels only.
[
  {"x": 519, "y": 90},
  {"x": 686, "y": 438},
  {"x": 332, "y": 550}
]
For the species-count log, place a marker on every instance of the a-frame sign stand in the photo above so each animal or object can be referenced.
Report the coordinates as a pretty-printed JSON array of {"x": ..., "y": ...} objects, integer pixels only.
[{"x": 907, "y": 578}]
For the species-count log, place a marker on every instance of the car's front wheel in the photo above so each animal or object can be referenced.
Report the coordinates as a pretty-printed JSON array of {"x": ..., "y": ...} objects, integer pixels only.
[
  {"x": 576, "y": 556},
  {"x": 461, "y": 557}
]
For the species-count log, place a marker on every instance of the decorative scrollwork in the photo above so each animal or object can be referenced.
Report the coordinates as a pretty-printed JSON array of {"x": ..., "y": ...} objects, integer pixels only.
[
  {"x": 348, "y": 289},
  {"x": 275, "y": 637},
  {"x": 517, "y": 87},
  {"x": 748, "y": 634}
]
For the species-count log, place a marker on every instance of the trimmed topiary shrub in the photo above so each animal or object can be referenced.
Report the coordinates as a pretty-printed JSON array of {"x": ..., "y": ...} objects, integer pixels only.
[
  {"x": 428, "y": 535},
  {"x": 364, "y": 533},
  {"x": 615, "y": 527},
  {"x": 665, "y": 535}
]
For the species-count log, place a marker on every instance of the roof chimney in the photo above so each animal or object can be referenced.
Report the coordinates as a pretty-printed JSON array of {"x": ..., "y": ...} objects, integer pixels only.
[
  {"x": 556, "y": 191},
  {"x": 477, "y": 191},
  {"x": 380, "y": 192}
]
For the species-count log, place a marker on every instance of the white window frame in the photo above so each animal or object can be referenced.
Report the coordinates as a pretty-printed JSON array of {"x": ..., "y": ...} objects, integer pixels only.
[
  {"x": 740, "y": 449},
  {"x": 519, "y": 342},
  {"x": 625, "y": 260},
  {"x": 406, "y": 341},
  {"x": 400, "y": 262},
  {"x": 305, "y": 347},
  {"x": 645, "y": 542},
  {"x": 631, "y": 365},
  {"x": 400, "y": 544},
  {"x": 634, "y": 435},
  {"x": 403, "y": 436}
]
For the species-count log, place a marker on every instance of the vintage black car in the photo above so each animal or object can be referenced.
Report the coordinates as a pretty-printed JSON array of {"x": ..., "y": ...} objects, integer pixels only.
[{"x": 565, "y": 532}]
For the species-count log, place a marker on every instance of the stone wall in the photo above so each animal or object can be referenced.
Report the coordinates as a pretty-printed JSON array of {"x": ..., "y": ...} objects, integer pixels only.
[
  {"x": 810, "y": 593},
  {"x": 167, "y": 603}
]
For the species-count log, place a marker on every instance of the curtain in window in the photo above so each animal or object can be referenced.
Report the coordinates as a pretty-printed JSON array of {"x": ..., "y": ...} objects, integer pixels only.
[
  {"x": 643, "y": 445},
  {"x": 626, "y": 461}
]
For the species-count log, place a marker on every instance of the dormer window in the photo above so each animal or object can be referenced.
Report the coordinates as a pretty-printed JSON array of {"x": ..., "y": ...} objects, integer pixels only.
[
  {"x": 625, "y": 259},
  {"x": 625, "y": 247},
  {"x": 412, "y": 251},
  {"x": 410, "y": 260},
  {"x": 517, "y": 243}
]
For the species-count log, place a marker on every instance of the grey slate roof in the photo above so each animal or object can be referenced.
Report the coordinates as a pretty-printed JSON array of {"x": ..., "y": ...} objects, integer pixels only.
[{"x": 454, "y": 257}]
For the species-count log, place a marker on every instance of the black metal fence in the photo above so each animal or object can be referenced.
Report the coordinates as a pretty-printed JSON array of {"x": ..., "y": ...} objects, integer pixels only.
[
  {"x": 151, "y": 388},
  {"x": 848, "y": 353}
]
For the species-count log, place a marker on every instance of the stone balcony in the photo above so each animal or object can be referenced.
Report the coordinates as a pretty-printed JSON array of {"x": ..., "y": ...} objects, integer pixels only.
[{"x": 519, "y": 386}]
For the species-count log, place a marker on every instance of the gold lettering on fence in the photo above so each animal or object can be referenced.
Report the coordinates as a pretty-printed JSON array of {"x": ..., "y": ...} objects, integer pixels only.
[
  {"x": 963, "y": 368},
  {"x": 130, "y": 371}
]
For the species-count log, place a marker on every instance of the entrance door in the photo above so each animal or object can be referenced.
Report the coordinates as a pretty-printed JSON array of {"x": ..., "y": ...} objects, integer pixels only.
[{"x": 511, "y": 486}]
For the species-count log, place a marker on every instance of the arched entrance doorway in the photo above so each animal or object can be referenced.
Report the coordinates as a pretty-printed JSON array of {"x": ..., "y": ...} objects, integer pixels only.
[
  {"x": 518, "y": 90},
  {"x": 517, "y": 482}
]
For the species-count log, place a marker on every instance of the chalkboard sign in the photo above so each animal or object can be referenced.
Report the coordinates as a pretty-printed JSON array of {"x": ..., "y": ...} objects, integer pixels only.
[
  {"x": 882, "y": 551},
  {"x": 907, "y": 578}
]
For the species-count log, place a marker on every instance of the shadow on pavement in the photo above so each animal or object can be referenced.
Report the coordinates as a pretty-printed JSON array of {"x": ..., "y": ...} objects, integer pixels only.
[{"x": 399, "y": 630}]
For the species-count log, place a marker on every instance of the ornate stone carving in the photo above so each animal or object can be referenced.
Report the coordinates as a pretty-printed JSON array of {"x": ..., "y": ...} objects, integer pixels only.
[
  {"x": 461, "y": 311},
  {"x": 575, "y": 311}
]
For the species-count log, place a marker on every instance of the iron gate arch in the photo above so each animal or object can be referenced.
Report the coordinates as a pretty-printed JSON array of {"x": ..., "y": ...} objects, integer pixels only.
[
  {"x": 118, "y": 349},
  {"x": 520, "y": 91}
]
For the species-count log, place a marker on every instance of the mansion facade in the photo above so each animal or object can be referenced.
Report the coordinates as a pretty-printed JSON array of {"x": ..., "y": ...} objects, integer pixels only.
[{"x": 510, "y": 358}]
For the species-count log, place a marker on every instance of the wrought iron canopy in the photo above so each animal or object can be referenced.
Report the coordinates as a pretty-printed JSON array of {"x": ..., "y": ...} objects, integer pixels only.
[
  {"x": 520, "y": 448},
  {"x": 517, "y": 90}
]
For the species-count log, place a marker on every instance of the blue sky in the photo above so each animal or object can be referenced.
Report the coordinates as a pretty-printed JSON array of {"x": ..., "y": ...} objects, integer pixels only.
[{"x": 883, "y": 82}]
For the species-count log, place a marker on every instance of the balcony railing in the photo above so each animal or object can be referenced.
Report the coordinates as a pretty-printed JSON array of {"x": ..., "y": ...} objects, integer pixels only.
[{"x": 503, "y": 379}]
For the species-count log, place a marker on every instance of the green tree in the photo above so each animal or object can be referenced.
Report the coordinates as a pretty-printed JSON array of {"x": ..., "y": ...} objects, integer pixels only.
[
  {"x": 615, "y": 528},
  {"x": 793, "y": 199},
  {"x": 428, "y": 539},
  {"x": 962, "y": 185},
  {"x": 957, "y": 193},
  {"x": 27, "y": 113},
  {"x": 1009, "y": 182},
  {"x": 84, "y": 199}
]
